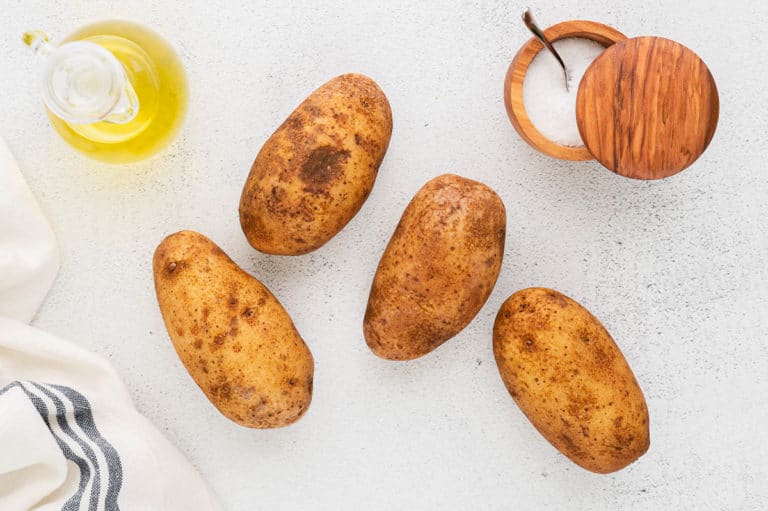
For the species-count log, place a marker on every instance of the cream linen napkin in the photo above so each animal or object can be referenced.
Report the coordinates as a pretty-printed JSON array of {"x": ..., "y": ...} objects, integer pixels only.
[{"x": 29, "y": 256}]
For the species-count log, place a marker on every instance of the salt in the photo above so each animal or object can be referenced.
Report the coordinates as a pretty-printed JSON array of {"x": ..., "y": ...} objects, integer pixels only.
[{"x": 552, "y": 108}]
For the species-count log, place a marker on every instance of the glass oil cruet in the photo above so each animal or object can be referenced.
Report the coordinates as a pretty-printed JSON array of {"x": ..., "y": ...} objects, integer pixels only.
[{"x": 114, "y": 90}]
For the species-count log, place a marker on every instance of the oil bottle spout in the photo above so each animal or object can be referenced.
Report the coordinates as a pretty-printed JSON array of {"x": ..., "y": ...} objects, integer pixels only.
[{"x": 38, "y": 42}]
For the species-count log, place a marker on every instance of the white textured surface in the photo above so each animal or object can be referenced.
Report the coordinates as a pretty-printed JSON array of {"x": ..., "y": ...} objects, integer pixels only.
[{"x": 675, "y": 269}]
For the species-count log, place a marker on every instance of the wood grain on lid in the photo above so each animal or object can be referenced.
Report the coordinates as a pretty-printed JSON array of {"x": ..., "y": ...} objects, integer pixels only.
[{"x": 647, "y": 108}]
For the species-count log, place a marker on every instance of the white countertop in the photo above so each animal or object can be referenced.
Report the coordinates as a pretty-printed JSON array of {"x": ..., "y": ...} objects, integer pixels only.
[{"x": 675, "y": 269}]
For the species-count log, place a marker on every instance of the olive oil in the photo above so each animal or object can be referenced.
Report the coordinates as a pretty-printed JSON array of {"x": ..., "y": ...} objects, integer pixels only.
[{"x": 156, "y": 82}]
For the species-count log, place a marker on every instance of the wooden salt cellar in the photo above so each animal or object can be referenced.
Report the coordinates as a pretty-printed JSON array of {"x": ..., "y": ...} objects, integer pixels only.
[
  {"x": 646, "y": 108},
  {"x": 513, "y": 83}
]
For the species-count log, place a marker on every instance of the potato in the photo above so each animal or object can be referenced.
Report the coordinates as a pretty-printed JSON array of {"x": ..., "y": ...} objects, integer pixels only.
[
  {"x": 231, "y": 333},
  {"x": 438, "y": 270},
  {"x": 315, "y": 172},
  {"x": 566, "y": 373}
]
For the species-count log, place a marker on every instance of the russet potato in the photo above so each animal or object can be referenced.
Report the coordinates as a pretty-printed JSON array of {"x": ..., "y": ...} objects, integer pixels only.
[
  {"x": 232, "y": 335},
  {"x": 317, "y": 169},
  {"x": 569, "y": 377},
  {"x": 438, "y": 270}
]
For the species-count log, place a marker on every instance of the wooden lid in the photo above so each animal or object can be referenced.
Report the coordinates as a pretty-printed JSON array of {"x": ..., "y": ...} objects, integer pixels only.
[{"x": 647, "y": 108}]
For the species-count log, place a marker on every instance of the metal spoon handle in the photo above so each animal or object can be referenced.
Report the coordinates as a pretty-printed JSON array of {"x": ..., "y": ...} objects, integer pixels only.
[{"x": 528, "y": 20}]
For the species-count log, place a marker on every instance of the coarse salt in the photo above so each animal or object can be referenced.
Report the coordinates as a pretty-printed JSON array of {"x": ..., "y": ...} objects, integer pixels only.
[{"x": 552, "y": 108}]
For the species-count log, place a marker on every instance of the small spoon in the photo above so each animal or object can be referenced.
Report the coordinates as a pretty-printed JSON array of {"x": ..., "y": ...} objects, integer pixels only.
[{"x": 528, "y": 20}]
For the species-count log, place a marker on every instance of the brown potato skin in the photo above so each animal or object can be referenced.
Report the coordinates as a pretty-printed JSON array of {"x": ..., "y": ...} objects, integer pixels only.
[
  {"x": 569, "y": 377},
  {"x": 233, "y": 336},
  {"x": 315, "y": 172},
  {"x": 438, "y": 270}
]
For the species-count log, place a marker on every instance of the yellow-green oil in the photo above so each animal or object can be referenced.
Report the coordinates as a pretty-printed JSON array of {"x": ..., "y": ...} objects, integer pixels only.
[{"x": 158, "y": 78}]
